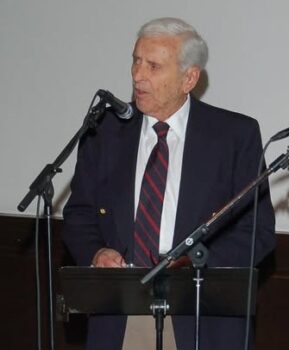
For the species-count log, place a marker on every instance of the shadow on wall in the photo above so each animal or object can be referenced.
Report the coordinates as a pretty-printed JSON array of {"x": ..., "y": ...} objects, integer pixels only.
[
  {"x": 202, "y": 85},
  {"x": 61, "y": 199},
  {"x": 282, "y": 206}
]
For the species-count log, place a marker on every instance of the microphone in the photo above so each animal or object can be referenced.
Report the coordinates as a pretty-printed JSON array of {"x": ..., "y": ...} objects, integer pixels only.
[
  {"x": 280, "y": 135},
  {"x": 122, "y": 109}
]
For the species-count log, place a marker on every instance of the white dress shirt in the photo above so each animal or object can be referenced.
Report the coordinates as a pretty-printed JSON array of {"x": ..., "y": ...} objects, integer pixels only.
[
  {"x": 140, "y": 330},
  {"x": 176, "y": 140}
]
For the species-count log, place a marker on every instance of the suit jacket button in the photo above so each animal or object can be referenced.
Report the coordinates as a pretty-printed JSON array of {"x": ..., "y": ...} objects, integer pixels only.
[{"x": 102, "y": 211}]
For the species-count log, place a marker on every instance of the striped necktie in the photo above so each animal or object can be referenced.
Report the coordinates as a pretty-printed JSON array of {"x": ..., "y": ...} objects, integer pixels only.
[{"x": 149, "y": 211}]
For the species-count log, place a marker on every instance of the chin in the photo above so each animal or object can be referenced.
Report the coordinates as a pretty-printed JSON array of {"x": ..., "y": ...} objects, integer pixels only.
[{"x": 143, "y": 107}]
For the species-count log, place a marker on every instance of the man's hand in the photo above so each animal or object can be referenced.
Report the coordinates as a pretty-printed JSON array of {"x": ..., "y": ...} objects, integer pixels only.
[
  {"x": 183, "y": 261},
  {"x": 106, "y": 257}
]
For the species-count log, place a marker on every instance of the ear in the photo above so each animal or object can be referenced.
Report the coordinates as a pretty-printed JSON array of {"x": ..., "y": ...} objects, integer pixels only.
[{"x": 191, "y": 78}]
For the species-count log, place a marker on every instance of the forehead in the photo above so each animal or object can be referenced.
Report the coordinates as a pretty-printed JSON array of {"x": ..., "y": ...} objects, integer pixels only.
[{"x": 161, "y": 47}]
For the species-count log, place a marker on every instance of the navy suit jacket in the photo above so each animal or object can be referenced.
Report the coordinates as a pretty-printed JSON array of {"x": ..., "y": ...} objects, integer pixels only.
[{"x": 221, "y": 156}]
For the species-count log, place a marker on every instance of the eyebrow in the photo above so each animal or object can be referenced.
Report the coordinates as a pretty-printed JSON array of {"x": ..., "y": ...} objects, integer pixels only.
[
  {"x": 154, "y": 63},
  {"x": 148, "y": 61}
]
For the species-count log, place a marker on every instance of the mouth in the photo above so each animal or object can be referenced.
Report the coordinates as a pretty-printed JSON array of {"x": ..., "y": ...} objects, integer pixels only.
[{"x": 139, "y": 93}]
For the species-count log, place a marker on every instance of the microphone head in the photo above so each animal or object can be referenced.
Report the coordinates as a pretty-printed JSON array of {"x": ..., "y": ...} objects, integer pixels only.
[
  {"x": 122, "y": 109},
  {"x": 127, "y": 113}
]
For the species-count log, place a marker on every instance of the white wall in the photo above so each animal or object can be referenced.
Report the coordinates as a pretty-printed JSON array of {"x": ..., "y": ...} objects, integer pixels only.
[{"x": 55, "y": 54}]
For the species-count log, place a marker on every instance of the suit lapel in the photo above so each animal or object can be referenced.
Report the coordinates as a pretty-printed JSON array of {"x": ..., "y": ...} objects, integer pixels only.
[
  {"x": 190, "y": 201},
  {"x": 126, "y": 148}
]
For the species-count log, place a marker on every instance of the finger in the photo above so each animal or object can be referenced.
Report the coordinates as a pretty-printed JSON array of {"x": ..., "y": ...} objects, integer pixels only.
[{"x": 108, "y": 261}]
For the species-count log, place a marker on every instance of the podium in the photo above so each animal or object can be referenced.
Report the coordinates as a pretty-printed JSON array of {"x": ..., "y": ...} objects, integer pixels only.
[
  {"x": 113, "y": 291},
  {"x": 119, "y": 291}
]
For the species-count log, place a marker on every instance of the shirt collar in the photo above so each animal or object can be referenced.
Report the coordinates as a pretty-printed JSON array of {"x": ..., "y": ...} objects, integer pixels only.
[{"x": 177, "y": 121}]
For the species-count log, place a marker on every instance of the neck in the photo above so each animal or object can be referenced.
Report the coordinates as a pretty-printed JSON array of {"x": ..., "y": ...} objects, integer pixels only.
[{"x": 166, "y": 115}]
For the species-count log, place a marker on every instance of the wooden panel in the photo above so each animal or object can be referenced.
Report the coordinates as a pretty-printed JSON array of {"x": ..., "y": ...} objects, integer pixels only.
[
  {"x": 272, "y": 323},
  {"x": 18, "y": 287},
  {"x": 18, "y": 296}
]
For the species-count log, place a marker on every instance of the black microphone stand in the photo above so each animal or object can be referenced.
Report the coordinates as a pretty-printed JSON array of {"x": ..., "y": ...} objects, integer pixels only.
[
  {"x": 193, "y": 245},
  {"x": 42, "y": 186}
]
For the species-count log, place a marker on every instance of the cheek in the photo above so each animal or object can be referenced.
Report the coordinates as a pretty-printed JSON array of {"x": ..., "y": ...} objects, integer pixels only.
[
  {"x": 166, "y": 90},
  {"x": 161, "y": 87}
]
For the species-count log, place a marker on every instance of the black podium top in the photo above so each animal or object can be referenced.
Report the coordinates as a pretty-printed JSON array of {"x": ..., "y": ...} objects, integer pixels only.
[{"x": 113, "y": 291}]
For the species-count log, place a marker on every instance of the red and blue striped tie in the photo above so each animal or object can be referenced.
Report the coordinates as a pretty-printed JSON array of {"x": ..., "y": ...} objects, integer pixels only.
[{"x": 149, "y": 211}]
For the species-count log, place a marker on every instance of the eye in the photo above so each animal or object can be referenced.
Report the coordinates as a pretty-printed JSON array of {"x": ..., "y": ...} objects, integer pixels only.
[
  {"x": 136, "y": 60},
  {"x": 154, "y": 66}
]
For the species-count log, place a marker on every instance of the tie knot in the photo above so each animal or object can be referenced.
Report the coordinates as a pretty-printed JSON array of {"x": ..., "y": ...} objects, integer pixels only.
[{"x": 161, "y": 129}]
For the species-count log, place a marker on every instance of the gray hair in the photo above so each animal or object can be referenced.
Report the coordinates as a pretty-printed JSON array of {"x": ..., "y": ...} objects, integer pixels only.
[{"x": 194, "y": 50}]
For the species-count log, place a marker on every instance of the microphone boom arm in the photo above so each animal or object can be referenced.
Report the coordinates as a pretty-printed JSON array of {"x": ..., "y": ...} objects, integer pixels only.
[{"x": 197, "y": 236}]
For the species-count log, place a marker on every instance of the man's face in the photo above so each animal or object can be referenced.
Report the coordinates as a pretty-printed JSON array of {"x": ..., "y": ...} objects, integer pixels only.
[{"x": 160, "y": 88}]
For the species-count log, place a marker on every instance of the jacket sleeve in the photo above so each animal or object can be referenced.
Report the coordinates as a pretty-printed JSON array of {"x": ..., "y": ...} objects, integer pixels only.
[{"x": 81, "y": 232}]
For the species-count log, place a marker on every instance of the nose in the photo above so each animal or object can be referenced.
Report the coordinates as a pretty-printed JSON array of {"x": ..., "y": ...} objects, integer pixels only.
[{"x": 138, "y": 72}]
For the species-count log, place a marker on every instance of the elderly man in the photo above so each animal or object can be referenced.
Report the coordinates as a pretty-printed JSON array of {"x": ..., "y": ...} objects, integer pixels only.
[{"x": 142, "y": 185}]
